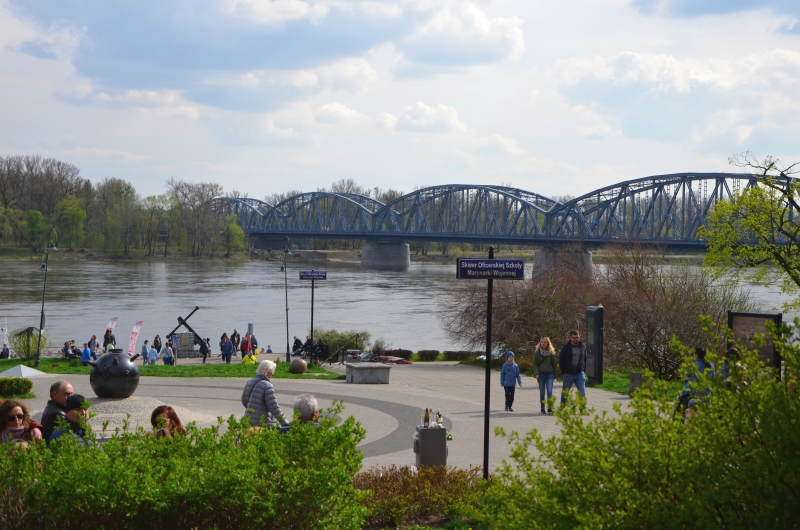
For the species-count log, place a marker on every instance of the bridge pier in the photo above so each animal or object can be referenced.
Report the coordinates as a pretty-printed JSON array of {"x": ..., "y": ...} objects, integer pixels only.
[
  {"x": 548, "y": 261},
  {"x": 385, "y": 256}
]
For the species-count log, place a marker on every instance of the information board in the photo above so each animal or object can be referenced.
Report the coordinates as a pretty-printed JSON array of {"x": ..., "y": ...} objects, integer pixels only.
[
  {"x": 490, "y": 269},
  {"x": 313, "y": 275}
]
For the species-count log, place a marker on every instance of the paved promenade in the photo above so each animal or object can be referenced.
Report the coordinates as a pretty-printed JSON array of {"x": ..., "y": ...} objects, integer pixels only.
[{"x": 388, "y": 412}]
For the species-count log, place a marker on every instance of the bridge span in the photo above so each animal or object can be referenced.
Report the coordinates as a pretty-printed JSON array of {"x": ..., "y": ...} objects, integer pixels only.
[{"x": 665, "y": 210}]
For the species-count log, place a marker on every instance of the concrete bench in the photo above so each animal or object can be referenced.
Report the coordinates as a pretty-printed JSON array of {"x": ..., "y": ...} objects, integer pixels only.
[{"x": 367, "y": 373}]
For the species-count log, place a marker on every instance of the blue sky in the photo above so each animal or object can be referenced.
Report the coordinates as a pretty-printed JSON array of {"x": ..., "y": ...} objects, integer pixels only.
[{"x": 269, "y": 95}]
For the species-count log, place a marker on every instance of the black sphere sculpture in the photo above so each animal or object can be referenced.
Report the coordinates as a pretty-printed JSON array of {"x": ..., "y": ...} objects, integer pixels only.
[{"x": 114, "y": 375}]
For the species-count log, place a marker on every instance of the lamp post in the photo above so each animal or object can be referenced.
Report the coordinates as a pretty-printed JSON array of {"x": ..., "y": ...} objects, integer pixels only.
[
  {"x": 50, "y": 246},
  {"x": 286, "y": 292}
]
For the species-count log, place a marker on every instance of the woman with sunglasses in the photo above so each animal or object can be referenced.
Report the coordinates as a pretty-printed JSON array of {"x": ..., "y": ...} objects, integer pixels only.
[{"x": 16, "y": 424}]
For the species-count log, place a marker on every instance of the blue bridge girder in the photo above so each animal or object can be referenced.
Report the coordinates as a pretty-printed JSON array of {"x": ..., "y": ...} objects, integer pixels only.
[{"x": 665, "y": 210}]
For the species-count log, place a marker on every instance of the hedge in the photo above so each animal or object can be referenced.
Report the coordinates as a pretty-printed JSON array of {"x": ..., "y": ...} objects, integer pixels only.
[
  {"x": 403, "y": 354},
  {"x": 428, "y": 355},
  {"x": 14, "y": 386},
  {"x": 460, "y": 355},
  {"x": 203, "y": 480},
  {"x": 401, "y": 495}
]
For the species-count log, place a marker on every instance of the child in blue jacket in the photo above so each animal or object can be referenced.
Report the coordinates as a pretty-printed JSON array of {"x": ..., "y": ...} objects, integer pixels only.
[{"x": 509, "y": 375}]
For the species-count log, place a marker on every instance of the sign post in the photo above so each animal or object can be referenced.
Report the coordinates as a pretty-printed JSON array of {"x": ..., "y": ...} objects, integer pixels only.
[
  {"x": 313, "y": 275},
  {"x": 745, "y": 326},
  {"x": 594, "y": 344},
  {"x": 489, "y": 269}
]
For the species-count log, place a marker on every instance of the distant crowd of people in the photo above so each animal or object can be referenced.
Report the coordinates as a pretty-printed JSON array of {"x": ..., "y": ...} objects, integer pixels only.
[{"x": 66, "y": 413}]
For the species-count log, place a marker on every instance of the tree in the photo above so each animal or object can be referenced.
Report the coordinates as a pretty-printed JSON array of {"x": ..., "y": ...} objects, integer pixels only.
[
  {"x": 645, "y": 304},
  {"x": 756, "y": 234},
  {"x": 69, "y": 218},
  {"x": 233, "y": 235}
]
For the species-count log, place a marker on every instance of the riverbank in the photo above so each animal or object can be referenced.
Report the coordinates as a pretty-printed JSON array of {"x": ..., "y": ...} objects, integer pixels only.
[{"x": 321, "y": 256}]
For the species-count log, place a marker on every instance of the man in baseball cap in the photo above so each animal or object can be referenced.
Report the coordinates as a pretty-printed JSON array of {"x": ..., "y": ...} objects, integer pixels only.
[{"x": 77, "y": 408}]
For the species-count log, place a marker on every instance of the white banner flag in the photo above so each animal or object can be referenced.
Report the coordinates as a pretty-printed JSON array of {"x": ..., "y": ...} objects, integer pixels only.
[
  {"x": 112, "y": 324},
  {"x": 134, "y": 334}
]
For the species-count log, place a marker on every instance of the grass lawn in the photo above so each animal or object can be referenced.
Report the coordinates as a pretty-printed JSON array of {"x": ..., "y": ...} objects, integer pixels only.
[
  {"x": 618, "y": 382},
  {"x": 19, "y": 396},
  {"x": 61, "y": 366}
]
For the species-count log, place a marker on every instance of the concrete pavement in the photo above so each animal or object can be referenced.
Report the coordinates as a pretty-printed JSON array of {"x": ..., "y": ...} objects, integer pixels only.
[{"x": 387, "y": 412}]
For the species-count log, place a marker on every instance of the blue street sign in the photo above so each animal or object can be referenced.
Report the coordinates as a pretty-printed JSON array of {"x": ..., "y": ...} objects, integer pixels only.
[
  {"x": 313, "y": 275},
  {"x": 490, "y": 269}
]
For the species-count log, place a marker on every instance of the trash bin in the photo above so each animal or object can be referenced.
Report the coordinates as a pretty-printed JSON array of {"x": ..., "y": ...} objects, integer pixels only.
[
  {"x": 353, "y": 356},
  {"x": 430, "y": 446}
]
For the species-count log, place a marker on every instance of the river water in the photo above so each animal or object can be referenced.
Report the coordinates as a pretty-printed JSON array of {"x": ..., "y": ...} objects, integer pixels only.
[{"x": 400, "y": 307}]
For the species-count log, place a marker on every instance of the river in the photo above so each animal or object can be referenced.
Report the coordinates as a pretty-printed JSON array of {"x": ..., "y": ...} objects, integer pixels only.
[{"x": 400, "y": 307}]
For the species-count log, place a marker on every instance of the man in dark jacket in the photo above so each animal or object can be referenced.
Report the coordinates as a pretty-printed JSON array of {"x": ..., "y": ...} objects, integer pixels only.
[
  {"x": 60, "y": 391},
  {"x": 76, "y": 414},
  {"x": 572, "y": 365}
]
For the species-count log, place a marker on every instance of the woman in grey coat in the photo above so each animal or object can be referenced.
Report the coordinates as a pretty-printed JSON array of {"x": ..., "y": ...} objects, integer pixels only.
[{"x": 259, "y": 399}]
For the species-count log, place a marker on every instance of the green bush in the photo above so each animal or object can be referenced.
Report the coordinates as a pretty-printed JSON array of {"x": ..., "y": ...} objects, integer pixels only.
[
  {"x": 25, "y": 342},
  {"x": 15, "y": 386},
  {"x": 401, "y": 495},
  {"x": 379, "y": 347},
  {"x": 428, "y": 355},
  {"x": 204, "y": 479},
  {"x": 343, "y": 340},
  {"x": 732, "y": 463}
]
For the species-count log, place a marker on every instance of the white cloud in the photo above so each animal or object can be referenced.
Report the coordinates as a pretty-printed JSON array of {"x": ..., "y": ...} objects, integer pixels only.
[
  {"x": 54, "y": 43},
  {"x": 277, "y": 11},
  {"x": 666, "y": 73},
  {"x": 95, "y": 153},
  {"x": 289, "y": 122},
  {"x": 509, "y": 145},
  {"x": 338, "y": 113},
  {"x": 353, "y": 74},
  {"x": 387, "y": 121},
  {"x": 441, "y": 118},
  {"x": 465, "y": 21},
  {"x": 592, "y": 125},
  {"x": 381, "y": 10},
  {"x": 163, "y": 102}
]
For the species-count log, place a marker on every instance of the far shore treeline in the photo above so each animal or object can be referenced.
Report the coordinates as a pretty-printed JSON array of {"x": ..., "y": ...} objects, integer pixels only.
[{"x": 44, "y": 199}]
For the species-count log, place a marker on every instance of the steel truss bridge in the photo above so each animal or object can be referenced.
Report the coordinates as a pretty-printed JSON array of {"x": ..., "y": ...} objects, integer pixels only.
[{"x": 662, "y": 210}]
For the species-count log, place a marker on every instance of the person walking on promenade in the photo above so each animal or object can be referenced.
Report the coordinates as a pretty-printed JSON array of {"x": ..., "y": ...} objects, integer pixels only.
[
  {"x": 236, "y": 339},
  {"x": 247, "y": 346},
  {"x": 572, "y": 365},
  {"x": 205, "y": 348},
  {"x": 509, "y": 376},
  {"x": 227, "y": 350},
  {"x": 157, "y": 342},
  {"x": 167, "y": 355},
  {"x": 109, "y": 338},
  {"x": 93, "y": 347},
  {"x": 86, "y": 355},
  {"x": 545, "y": 367},
  {"x": 152, "y": 355},
  {"x": 258, "y": 398},
  {"x": 222, "y": 340},
  {"x": 146, "y": 351}
]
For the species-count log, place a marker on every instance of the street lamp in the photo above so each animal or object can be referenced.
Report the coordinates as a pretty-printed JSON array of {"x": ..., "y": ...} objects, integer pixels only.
[
  {"x": 286, "y": 292},
  {"x": 44, "y": 267}
]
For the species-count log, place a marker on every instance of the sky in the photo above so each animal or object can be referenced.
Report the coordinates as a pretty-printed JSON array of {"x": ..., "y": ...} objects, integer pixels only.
[{"x": 264, "y": 96}]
